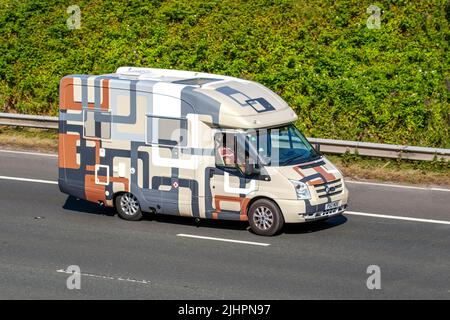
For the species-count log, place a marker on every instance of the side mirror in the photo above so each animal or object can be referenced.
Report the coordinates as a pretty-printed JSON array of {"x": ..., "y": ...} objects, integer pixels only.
[{"x": 252, "y": 170}]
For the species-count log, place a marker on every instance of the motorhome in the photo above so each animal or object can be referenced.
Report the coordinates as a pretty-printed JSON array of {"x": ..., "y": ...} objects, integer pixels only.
[{"x": 191, "y": 144}]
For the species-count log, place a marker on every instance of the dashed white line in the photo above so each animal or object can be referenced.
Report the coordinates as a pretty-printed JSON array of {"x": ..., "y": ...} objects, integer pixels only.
[
  {"x": 223, "y": 239},
  {"x": 30, "y": 153},
  {"x": 384, "y": 216},
  {"x": 396, "y": 186},
  {"x": 28, "y": 180},
  {"x": 105, "y": 277}
]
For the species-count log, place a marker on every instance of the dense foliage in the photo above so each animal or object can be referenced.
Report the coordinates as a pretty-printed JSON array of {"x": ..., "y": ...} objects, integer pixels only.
[{"x": 344, "y": 79}]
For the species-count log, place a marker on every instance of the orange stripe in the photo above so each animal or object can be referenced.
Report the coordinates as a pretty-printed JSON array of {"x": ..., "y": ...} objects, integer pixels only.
[
  {"x": 125, "y": 182},
  {"x": 243, "y": 204},
  {"x": 315, "y": 181},
  {"x": 97, "y": 151},
  {"x": 327, "y": 176},
  {"x": 94, "y": 192},
  {"x": 67, "y": 151},
  {"x": 105, "y": 92},
  {"x": 298, "y": 170},
  {"x": 66, "y": 94}
]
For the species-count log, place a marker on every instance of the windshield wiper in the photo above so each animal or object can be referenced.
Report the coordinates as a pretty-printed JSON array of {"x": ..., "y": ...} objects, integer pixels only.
[{"x": 291, "y": 160}]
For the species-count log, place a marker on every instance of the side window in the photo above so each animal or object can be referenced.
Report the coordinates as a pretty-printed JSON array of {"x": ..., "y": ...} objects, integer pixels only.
[
  {"x": 225, "y": 149},
  {"x": 167, "y": 131},
  {"x": 97, "y": 124}
]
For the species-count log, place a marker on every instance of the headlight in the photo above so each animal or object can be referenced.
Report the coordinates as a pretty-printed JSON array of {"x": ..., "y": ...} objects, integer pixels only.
[{"x": 301, "y": 189}]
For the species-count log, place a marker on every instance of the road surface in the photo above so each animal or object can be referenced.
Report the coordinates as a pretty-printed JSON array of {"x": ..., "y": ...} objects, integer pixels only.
[{"x": 405, "y": 231}]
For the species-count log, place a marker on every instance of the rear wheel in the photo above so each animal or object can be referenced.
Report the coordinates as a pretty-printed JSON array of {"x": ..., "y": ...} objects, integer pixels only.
[
  {"x": 128, "y": 208},
  {"x": 265, "y": 218}
]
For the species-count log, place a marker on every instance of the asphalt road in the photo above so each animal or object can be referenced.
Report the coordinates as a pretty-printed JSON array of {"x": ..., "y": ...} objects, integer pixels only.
[{"x": 42, "y": 232}]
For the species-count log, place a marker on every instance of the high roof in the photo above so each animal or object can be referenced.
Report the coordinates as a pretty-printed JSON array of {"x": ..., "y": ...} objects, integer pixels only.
[
  {"x": 170, "y": 75},
  {"x": 218, "y": 100},
  {"x": 233, "y": 102}
]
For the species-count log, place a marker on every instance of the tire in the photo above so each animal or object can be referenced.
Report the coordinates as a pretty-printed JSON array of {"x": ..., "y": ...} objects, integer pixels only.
[
  {"x": 128, "y": 208},
  {"x": 265, "y": 218}
]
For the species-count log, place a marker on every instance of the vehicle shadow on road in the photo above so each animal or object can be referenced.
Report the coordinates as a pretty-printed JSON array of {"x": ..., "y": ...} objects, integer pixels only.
[
  {"x": 290, "y": 228},
  {"x": 79, "y": 205},
  {"x": 316, "y": 226},
  {"x": 82, "y": 206},
  {"x": 203, "y": 223}
]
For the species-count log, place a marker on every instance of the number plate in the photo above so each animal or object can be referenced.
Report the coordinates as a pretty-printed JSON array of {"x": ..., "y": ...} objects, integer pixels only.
[{"x": 332, "y": 205}]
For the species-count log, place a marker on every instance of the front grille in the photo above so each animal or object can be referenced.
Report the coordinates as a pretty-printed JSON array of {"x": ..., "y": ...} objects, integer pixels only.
[{"x": 333, "y": 187}]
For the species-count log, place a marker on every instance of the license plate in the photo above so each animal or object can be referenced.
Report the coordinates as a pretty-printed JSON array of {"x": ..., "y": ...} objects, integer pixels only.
[{"x": 332, "y": 205}]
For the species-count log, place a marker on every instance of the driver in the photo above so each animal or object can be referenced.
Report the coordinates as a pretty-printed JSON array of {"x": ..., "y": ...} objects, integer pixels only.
[{"x": 227, "y": 156}]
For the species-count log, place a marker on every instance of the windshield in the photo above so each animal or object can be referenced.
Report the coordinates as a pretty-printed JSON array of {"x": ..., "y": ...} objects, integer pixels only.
[{"x": 282, "y": 146}]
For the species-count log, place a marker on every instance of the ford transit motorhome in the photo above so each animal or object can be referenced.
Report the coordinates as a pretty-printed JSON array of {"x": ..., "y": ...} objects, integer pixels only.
[{"x": 191, "y": 144}]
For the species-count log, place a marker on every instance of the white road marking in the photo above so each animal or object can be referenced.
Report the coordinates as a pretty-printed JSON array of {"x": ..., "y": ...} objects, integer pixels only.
[
  {"x": 397, "y": 186},
  {"x": 222, "y": 239},
  {"x": 28, "y": 180},
  {"x": 30, "y": 153},
  {"x": 384, "y": 216},
  {"x": 105, "y": 277}
]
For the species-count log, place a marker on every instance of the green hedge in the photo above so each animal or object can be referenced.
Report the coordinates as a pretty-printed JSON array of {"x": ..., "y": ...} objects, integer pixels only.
[{"x": 345, "y": 80}]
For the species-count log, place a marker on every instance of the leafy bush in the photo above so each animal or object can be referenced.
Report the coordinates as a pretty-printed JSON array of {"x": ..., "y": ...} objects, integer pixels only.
[{"x": 345, "y": 81}]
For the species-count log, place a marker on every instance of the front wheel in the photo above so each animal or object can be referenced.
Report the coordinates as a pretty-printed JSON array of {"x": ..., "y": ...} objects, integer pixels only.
[
  {"x": 265, "y": 218},
  {"x": 128, "y": 208}
]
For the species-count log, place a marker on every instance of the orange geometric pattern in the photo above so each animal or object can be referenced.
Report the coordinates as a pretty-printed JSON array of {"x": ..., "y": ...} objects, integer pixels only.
[{"x": 243, "y": 204}]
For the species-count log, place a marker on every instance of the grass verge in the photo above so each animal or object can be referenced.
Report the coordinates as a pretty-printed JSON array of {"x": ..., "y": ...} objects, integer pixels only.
[
  {"x": 355, "y": 167},
  {"x": 431, "y": 173},
  {"x": 29, "y": 139}
]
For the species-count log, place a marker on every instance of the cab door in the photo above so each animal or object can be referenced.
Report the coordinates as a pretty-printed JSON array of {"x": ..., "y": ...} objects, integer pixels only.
[{"x": 229, "y": 186}]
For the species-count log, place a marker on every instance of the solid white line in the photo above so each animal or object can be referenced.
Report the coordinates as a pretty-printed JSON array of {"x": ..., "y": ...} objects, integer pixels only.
[
  {"x": 384, "y": 216},
  {"x": 396, "y": 186},
  {"x": 30, "y": 153},
  {"x": 104, "y": 277},
  {"x": 222, "y": 239},
  {"x": 28, "y": 180}
]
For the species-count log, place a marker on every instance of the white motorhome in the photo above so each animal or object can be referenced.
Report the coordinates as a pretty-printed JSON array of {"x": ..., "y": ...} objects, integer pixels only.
[{"x": 191, "y": 144}]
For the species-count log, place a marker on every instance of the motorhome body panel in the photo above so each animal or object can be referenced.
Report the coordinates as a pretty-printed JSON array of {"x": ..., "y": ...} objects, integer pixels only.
[{"x": 113, "y": 138}]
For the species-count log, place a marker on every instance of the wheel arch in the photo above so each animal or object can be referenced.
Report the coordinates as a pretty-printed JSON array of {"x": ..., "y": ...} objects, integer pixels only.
[
  {"x": 253, "y": 200},
  {"x": 115, "y": 195}
]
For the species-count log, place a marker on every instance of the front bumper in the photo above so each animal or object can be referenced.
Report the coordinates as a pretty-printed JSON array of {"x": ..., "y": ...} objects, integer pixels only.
[
  {"x": 325, "y": 214},
  {"x": 298, "y": 211}
]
